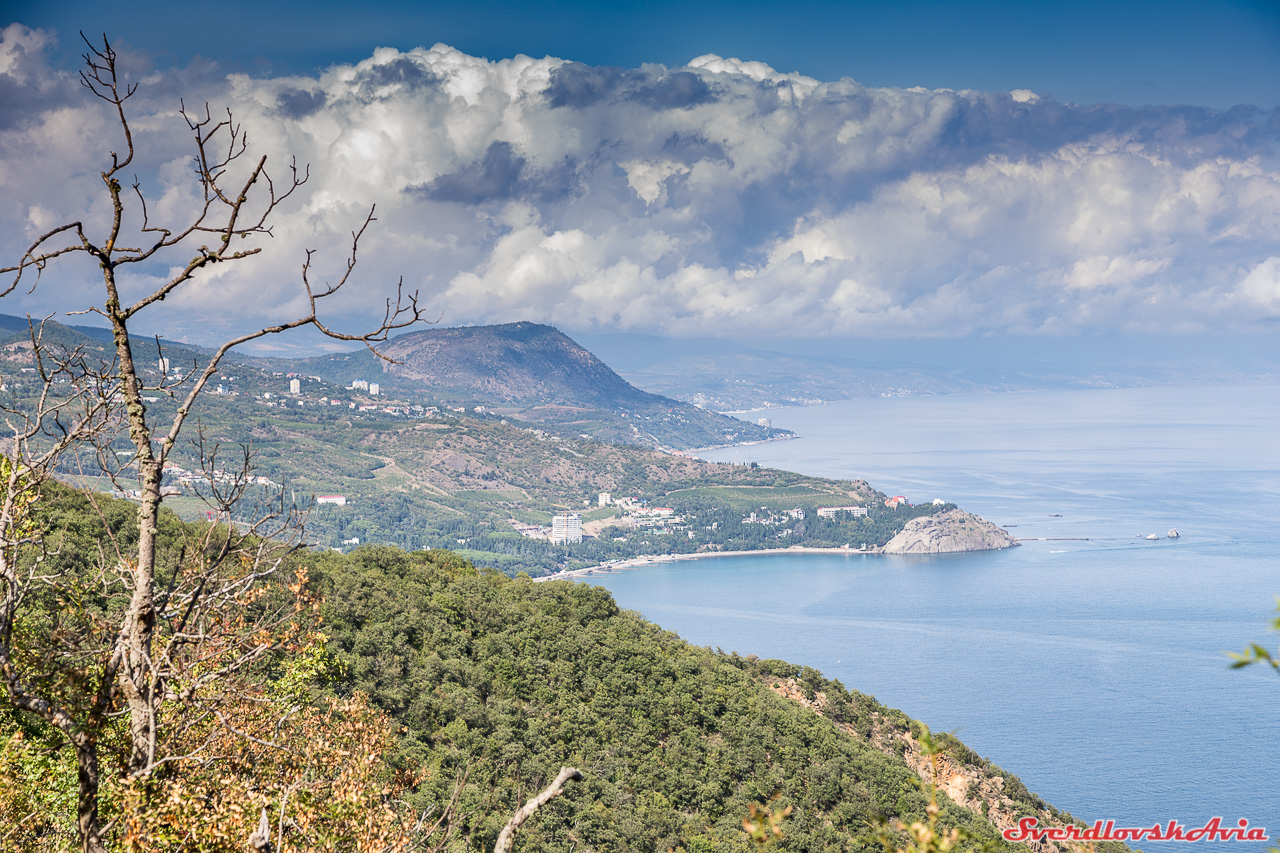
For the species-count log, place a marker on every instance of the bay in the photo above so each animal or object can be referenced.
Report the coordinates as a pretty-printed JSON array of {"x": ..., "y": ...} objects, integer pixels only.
[{"x": 1089, "y": 661}]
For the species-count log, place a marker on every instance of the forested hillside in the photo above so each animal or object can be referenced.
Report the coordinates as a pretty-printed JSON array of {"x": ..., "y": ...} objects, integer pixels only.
[
  {"x": 421, "y": 477},
  {"x": 511, "y": 680},
  {"x": 492, "y": 684}
]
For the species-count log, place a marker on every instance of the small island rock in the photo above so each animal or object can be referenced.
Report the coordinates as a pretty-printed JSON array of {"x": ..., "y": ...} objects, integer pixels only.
[{"x": 949, "y": 532}]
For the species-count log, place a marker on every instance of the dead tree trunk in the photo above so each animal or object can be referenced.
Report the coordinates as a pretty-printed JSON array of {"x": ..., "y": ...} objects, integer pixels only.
[{"x": 132, "y": 668}]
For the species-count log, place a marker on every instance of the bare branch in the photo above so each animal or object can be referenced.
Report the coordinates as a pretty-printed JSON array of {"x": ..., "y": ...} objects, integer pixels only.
[
  {"x": 35, "y": 257},
  {"x": 99, "y": 77},
  {"x": 260, "y": 839},
  {"x": 507, "y": 836},
  {"x": 188, "y": 623}
]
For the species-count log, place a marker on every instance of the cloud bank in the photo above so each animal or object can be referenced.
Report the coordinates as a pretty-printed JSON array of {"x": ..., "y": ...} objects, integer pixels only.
[{"x": 722, "y": 197}]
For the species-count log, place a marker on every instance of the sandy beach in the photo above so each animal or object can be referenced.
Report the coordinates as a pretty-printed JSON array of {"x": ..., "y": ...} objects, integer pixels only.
[{"x": 641, "y": 562}]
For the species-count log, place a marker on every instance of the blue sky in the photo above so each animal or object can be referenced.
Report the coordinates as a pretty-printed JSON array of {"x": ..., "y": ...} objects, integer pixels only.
[
  {"x": 813, "y": 170},
  {"x": 1207, "y": 52}
]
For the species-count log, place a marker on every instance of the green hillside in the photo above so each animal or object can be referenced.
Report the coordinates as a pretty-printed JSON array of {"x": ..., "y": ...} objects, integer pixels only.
[
  {"x": 418, "y": 476},
  {"x": 493, "y": 684},
  {"x": 512, "y": 680}
]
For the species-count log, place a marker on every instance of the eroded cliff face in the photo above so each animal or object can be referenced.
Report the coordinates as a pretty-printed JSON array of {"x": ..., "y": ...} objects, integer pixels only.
[
  {"x": 970, "y": 782},
  {"x": 949, "y": 532}
]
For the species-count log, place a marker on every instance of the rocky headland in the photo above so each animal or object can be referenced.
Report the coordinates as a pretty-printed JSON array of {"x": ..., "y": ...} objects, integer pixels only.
[{"x": 949, "y": 532}]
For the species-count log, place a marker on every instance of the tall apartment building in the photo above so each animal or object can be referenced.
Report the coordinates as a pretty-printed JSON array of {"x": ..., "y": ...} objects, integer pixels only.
[{"x": 566, "y": 528}]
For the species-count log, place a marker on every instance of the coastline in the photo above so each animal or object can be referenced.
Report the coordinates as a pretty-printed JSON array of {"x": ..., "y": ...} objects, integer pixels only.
[
  {"x": 641, "y": 562},
  {"x": 691, "y": 452}
]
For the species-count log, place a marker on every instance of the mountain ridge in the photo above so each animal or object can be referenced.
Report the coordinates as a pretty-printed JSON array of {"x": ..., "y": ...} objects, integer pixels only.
[
  {"x": 522, "y": 370},
  {"x": 537, "y": 373},
  {"x": 495, "y": 360}
]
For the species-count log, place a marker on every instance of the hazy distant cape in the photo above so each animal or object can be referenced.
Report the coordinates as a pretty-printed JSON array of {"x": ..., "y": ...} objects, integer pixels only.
[{"x": 728, "y": 375}]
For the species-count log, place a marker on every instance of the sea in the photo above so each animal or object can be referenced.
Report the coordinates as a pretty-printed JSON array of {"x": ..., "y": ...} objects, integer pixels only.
[{"x": 1090, "y": 661}]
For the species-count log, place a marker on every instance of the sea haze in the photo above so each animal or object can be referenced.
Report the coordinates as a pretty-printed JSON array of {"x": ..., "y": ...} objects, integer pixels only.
[
  {"x": 771, "y": 371},
  {"x": 1089, "y": 661}
]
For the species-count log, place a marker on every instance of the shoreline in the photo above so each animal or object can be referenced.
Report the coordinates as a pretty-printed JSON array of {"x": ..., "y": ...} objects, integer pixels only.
[
  {"x": 640, "y": 562},
  {"x": 694, "y": 450}
]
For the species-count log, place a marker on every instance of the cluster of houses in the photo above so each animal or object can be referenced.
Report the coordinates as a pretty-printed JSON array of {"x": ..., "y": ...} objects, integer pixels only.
[
  {"x": 372, "y": 389},
  {"x": 566, "y": 527},
  {"x": 176, "y": 480},
  {"x": 771, "y": 518},
  {"x": 193, "y": 480}
]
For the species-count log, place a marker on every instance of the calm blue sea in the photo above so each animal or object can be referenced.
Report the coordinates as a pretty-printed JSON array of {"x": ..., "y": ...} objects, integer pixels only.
[{"x": 1094, "y": 670}]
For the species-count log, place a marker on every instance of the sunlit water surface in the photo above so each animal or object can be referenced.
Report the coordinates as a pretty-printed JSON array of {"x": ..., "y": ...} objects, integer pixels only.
[{"x": 1094, "y": 670}]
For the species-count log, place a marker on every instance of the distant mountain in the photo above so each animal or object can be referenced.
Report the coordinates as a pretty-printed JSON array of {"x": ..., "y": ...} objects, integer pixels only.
[
  {"x": 517, "y": 364},
  {"x": 10, "y": 325},
  {"x": 520, "y": 370},
  {"x": 537, "y": 373},
  {"x": 727, "y": 375},
  {"x": 95, "y": 340}
]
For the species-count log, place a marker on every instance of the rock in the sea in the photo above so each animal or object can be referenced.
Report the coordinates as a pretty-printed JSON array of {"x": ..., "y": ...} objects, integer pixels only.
[{"x": 948, "y": 532}]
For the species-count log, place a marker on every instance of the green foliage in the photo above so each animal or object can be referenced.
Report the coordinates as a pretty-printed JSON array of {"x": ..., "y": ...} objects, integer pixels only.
[
  {"x": 494, "y": 684},
  {"x": 311, "y": 666},
  {"x": 763, "y": 824},
  {"x": 37, "y": 785},
  {"x": 1256, "y": 653},
  {"x": 427, "y": 482},
  {"x": 509, "y": 680}
]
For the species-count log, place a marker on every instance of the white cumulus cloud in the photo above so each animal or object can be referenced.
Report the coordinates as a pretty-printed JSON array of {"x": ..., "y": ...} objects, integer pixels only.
[{"x": 720, "y": 197}]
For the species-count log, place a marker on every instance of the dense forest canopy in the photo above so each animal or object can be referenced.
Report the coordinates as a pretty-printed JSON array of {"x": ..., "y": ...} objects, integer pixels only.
[{"x": 468, "y": 690}]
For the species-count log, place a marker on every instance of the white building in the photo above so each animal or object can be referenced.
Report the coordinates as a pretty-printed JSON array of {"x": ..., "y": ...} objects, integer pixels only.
[
  {"x": 566, "y": 528},
  {"x": 605, "y": 499},
  {"x": 765, "y": 422},
  {"x": 374, "y": 388},
  {"x": 336, "y": 500},
  {"x": 164, "y": 365},
  {"x": 830, "y": 511},
  {"x": 295, "y": 386}
]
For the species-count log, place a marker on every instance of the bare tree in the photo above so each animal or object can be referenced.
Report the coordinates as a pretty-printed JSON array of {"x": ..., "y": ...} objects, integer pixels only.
[{"x": 179, "y": 629}]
